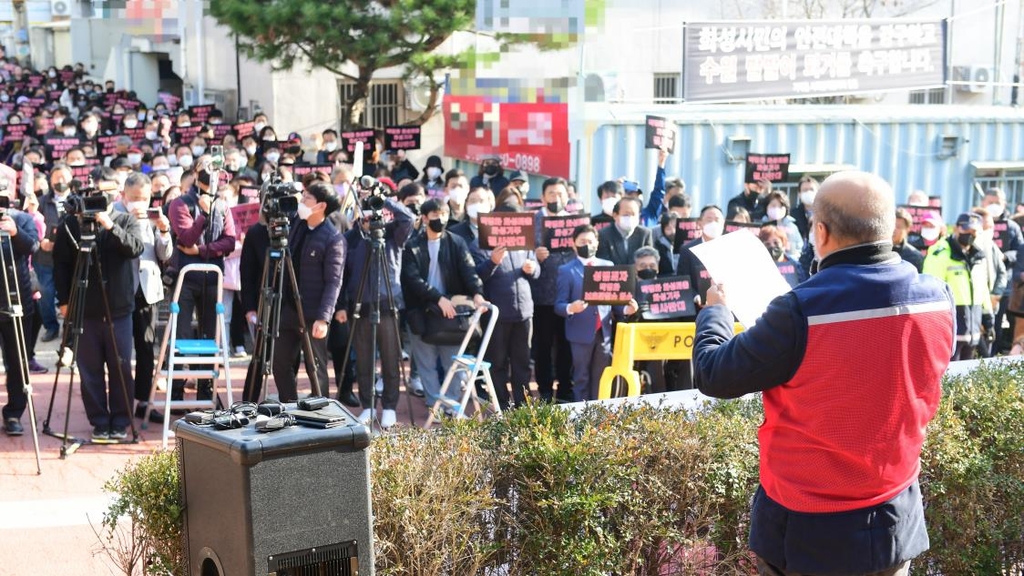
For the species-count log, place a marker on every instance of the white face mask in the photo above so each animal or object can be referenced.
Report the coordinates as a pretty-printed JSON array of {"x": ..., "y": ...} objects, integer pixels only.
[
  {"x": 198, "y": 150},
  {"x": 807, "y": 197},
  {"x": 131, "y": 123},
  {"x": 713, "y": 230},
  {"x": 458, "y": 194},
  {"x": 433, "y": 172},
  {"x": 257, "y": 127},
  {"x": 628, "y": 223},
  {"x": 250, "y": 150},
  {"x": 608, "y": 205},
  {"x": 141, "y": 205},
  {"x": 185, "y": 162},
  {"x": 776, "y": 212},
  {"x": 159, "y": 167},
  {"x": 994, "y": 210},
  {"x": 331, "y": 146},
  {"x": 985, "y": 237},
  {"x": 304, "y": 211},
  {"x": 273, "y": 157},
  {"x": 135, "y": 159},
  {"x": 70, "y": 132},
  {"x": 172, "y": 160},
  {"x": 121, "y": 177},
  {"x": 930, "y": 233},
  {"x": 475, "y": 210},
  {"x": 151, "y": 135}
]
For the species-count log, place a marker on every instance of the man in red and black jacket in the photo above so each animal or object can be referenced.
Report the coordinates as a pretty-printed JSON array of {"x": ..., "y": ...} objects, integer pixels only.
[{"x": 850, "y": 364}]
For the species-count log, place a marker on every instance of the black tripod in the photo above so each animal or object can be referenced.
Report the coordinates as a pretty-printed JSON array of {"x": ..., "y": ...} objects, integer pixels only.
[
  {"x": 86, "y": 248},
  {"x": 376, "y": 263},
  {"x": 15, "y": 313},
  {"x": 277, "y": 264}
]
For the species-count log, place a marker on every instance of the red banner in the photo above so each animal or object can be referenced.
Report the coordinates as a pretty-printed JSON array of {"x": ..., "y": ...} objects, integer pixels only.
[{"x": 529, "y": 137}]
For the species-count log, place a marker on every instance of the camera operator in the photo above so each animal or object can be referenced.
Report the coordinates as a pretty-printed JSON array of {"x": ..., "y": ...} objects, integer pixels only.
[
  {"x": 20, "y": 238},
  {"x": 318, "y": 256},
  {"x": 357, "y": 265},
  {"x": 117, "y": 243},
  {"x": 155, "y": 231},
  {"x": 204, "y": 233}
]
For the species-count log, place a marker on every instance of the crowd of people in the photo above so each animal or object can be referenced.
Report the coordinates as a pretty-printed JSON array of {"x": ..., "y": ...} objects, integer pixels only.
[{"x": 173, "y": 177}]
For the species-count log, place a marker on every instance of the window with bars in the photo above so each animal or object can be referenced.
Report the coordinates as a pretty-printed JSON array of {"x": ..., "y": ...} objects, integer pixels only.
[
  {"x": 666, "y": 88},
  {"x": 932, "y": 96},
  {"x": 383, "y": 105}
]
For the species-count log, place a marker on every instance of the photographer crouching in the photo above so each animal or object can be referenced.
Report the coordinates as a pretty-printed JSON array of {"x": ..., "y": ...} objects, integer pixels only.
[
  {"x": 20, "y": 238},
  {"x": 113, "y": 239}
]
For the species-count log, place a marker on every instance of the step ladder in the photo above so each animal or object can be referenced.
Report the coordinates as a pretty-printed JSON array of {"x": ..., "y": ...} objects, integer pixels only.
[
  {"x": 181, "y": 353},
  {"x": 475, "y": 370}
]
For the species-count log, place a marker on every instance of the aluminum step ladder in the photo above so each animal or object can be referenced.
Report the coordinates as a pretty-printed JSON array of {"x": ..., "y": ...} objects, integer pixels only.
[
  {"x": 475, "y": 369},
  {"x": 181, "y": 354}
]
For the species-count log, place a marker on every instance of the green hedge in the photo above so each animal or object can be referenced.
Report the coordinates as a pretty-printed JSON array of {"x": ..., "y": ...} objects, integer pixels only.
[{"x": 646, "y": 490}]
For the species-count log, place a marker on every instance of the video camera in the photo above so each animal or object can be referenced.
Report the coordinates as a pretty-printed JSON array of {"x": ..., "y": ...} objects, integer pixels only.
[
  {"x": 372, "y": 193},
  {"x": 279, "y": 206}
]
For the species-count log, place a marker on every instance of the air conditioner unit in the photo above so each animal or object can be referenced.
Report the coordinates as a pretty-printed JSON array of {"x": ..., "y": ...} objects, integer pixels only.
[
  {"x": 980, "y": 78},
  {"x": 60, "y": 8},
  {"x": 417, "y": 95},
  {"x": 973, "y": 79}
]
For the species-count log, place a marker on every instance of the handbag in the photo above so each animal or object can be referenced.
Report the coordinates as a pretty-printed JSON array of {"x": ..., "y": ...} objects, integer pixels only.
[{"x": 441, "y": 331}]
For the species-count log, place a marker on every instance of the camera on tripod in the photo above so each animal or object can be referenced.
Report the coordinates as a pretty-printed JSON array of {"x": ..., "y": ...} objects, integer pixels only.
[
  {"x": 373, "y": 193},
  {"x": 278, "y": 208},
  {"x": 90, "y": 203}
]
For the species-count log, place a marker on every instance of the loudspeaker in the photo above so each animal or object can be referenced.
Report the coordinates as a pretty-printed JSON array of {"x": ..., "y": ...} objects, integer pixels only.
[{"x": 290, "y": 502}]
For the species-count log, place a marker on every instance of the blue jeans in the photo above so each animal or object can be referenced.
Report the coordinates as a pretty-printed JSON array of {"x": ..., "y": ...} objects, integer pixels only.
[
  {"x": 425, "y": 356},
  {"x": 48, "y": 301}
]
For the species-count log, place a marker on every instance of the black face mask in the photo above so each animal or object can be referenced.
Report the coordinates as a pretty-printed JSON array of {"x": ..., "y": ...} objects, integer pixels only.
[
  {"x": 61, "y": 187},
  {"x": 555, "y": 207},
  {"x": 585, "y": 251},
  {"x": 492, "y": 170},
  {"x": 204, "y": 178},
  {"x": 293, "y": 150},
  {"x": 414, "y": 208},
  {"x": 776, "y": 252},
  {"x": 965, "y": 240},
  {"x": 647, "y": 274},
  {"x": 436, "y": 226}
]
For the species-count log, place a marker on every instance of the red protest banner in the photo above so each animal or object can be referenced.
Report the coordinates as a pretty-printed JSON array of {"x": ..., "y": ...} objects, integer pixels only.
[
  {"x": 530, "y": 137},
  {"x": 513, "y": 230}
]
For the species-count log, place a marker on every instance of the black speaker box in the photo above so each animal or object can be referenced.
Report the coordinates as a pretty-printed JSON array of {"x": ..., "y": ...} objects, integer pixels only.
[{"x": 290, "y": 502}]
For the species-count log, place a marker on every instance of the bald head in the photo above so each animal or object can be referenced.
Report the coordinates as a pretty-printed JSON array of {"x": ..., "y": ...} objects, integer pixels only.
[{"x": 856, "y": 208}]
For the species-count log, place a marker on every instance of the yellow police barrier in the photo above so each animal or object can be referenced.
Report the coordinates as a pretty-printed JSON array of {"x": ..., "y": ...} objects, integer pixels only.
[{"x": 646, "y": 341}]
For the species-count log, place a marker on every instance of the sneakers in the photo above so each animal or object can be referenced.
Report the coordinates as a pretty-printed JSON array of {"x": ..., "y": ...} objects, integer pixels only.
[
  {"x": 367, "y": 415},
  {"x": 416, "y": 387},
  {"x": 36, "y": 368},
  {"x": 101, "y": 433},
  {"x": 388, "y": 418},
  {"x": 12, "y": 427},
  {"x": 117, "y": 433},
  {"x": 239, "y": 352},
  {"x": 49, "y": 335}
]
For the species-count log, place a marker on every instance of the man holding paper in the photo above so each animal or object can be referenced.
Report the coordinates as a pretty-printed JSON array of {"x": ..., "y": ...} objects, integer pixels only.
[{"x": 850, "y": 363}]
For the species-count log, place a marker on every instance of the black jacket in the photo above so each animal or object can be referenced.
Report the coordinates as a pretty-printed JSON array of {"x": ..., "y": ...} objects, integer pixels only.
[
  {"x": 910, "y": 254},
  {"x": 754, "y": 204},
  {"x": 23, "y": 244},
  {"x": 457, "y": 270},
  {"x": 114, "y": 252},
  {"x": 250, "y": 266},
  {"x": 610, "y": 245},
  {"x": 321, "y": 255}
]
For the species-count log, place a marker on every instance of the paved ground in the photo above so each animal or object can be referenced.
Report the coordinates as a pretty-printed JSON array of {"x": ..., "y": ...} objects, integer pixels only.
[{"x": 45, "y": 519}]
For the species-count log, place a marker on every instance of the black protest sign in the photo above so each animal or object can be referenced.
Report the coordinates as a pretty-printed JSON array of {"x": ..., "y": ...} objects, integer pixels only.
[
  {"x": 300, "y": 170},
  {"x": 660, "y": 134},
  {"x": 534, "y": 203},
  {"x": 771, "y": 167},
  {"x": 107, "y": 144},
  {"x": 220, "y": 131},
  {"x": 243, "y": 129},
  {"x": 58, "y": 146},
  {"x": 402, "y": 137},
  {"x": 137, "y": 134},
  {"x": 687, "y": 229},
  {"x": 751, "y": 227},
  {"x": 1001, "y": 235},
  {"x": 14, "y": 132},
  {"x": 128, "y": 103},
  {"x": 199, "y": 114},
  {"x": 81, "y": 173},
  {"x": 513, "y": 230},
  {"x": 608, "y": 284},
  {"x": 349, "y": 138},
  {"x": 185, "y": 134},
  {"x": 789, "y": 273},
  {"x": 670, "y": 297},
  {"x": 558, "y": 231},
  {"x": 170, "y": 100}
]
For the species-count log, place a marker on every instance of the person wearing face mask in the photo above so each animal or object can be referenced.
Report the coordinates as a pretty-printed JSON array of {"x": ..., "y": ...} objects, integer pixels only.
[
  {"x": 318, "y": 257},
  {"x": 664, "y": 243},
  {"x": 808, "y": 188},
  {"x": 327, "y": 145},
  {"x": 235, "y": 164},
  {"x": 752, "y": 199},
  {"x": 433, "y": 173},
  {"x": 959, "y": 263},
  {"x": 491, "y": 175},
  {"x": 588, "y": 328},
  {"x": 663, "y": 375},
  {"x": 107, "y": 307},
  {"x": 998, "y": 278},
  {"x": 609, "y": 194},
  {"x": 135, "y": 159},
  {"x": 712, "y": 224},
  {"x": 775, "y": 240},
  {"x": 1008, "y": 238},
  {"x": 457, "y": 187},
  {"x": 204, "y": 233},
  {"x": 479, "y": 201},
  {"x": 436, "y": 266},
  {"x": 157, "y": 246},
  {"x": 620, "y": 242},
  {"x": 552, "y": 356},
  {"x": 51, "y": 205},
  {"x": 777, "y": 214}
]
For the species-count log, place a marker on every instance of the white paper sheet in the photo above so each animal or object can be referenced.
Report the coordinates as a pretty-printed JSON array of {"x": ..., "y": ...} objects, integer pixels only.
[{"x": 740, "y": 263}]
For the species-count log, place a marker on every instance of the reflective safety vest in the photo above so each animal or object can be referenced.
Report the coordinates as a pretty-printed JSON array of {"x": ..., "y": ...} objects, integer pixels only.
[{"x": 967, "y": 276}]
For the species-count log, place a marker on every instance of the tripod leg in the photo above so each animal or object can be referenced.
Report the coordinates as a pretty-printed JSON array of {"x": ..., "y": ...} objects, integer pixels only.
[{"x": 256, "y": 374}]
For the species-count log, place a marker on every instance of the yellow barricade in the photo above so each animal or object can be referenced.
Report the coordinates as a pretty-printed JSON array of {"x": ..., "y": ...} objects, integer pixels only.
[{"x": 646, "y": 341}]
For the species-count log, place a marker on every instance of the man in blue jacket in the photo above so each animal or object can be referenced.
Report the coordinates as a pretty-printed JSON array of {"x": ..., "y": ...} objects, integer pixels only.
[
  {"x": 850, "y": 363},
  {"x": 589, "y": 329},
  {"x": 318, "y": 256}
]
